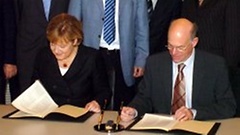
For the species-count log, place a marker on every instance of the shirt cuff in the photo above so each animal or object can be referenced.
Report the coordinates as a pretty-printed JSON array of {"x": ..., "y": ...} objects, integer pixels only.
[
  {"x": 194, "y": 112},
  {"x": 136, "y": 113}
]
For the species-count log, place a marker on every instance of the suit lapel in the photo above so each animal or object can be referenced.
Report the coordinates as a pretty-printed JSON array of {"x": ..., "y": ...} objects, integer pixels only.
[
  {"x": 198, "y": 74},
  {"x": 158, "y": 11},
  {"x": 121, "y": 5},
  {"x": 154, "y": 10},
  {"x": 208, "y": 2},
  {"x": 78, "y": 61},
  {"x": 52, "y": 64},
  {"x": 204, "y": 2},
  {"x": 39, "y": 4},
  {"x": 53, "y": 3},
  {"x": 100, "y": 4},
  {"x": 167, "y": 79},
  {"x": 157, "y": 5}
]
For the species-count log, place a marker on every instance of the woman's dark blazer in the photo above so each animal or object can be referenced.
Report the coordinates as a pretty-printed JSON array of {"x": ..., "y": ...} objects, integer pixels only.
[{"x": 85, "y": 80}]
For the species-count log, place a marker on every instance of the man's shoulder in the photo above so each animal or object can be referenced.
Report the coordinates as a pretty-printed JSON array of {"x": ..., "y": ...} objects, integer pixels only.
[
  {"x": 208, "y": 56},
  {"x": 159, "y": 56},
  {"x": 209, "y": 61},
  {"x": 159, "y": 60}
]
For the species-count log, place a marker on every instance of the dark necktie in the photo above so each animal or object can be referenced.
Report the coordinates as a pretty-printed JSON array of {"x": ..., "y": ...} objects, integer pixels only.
[
  {"x": 179, "y": 90},
  {"x": 109, "y": 22},
  {"x": 150, "y": 8}
]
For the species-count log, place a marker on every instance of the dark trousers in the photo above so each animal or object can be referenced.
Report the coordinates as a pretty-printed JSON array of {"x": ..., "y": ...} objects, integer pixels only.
[
  {"x": 122, "y": 94},
  {"x": 235, "y": 81},
  {"x": 13, "y": 88}
]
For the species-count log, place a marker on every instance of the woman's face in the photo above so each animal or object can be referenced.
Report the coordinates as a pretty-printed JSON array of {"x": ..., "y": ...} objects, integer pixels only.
[{"x": 63, "y": 50}]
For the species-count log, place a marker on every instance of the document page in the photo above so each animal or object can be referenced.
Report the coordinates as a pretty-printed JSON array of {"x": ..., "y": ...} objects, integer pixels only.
[
  {"x": 167, "y": 123},
  {"x": 35, "y": 100},
  {"x": 20, "y": 114},
  {"x": 153, "y": 121},
  {"x": 200, "y": 127},
  {"x": 71, "y": 110}
]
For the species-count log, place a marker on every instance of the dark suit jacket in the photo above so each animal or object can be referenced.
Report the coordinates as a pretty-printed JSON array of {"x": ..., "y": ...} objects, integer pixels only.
[
  {"x": 7, "y": 32},
  {"x": 164, "y": 12},
  {"x": 211, "y": 90},
  {"x": 31, "y": 37},
  {"x": 85, "y": 80},
  {"x": 218, "y": 22},
  {"x": 7, "y": 43}
]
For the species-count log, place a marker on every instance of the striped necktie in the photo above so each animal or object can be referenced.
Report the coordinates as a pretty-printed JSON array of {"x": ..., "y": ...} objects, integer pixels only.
[
  {"x": 109, "y": 22},
  {"x": 179, "y": 90}
]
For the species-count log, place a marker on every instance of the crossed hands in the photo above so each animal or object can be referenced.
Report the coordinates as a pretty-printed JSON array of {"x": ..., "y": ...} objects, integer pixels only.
[{"x": 182, "y": 114}]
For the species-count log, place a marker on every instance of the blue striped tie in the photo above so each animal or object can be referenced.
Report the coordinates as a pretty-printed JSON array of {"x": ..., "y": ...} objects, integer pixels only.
[{"x": 109, "y": 22}]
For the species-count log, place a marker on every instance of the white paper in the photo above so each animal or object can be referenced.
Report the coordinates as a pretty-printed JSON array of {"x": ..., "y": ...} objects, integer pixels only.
[{"x": 35, "y": 100}]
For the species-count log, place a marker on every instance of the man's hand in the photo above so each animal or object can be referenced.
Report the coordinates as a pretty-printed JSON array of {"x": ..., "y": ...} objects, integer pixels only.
[
  {"x": 183, "y": 114},
  {"x": 10, "y": 70},
  {"x": 128, "y": 114},
  {"x": 138, "y": 72}
]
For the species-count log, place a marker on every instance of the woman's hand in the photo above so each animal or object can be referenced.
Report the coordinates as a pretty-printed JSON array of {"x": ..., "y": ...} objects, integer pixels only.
[{"x": 93, "y": 106}]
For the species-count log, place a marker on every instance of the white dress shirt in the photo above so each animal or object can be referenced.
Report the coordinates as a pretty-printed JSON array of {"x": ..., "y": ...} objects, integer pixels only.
[
  {"x": 188, "y": 76},
  {"x": 115, "y": 43},
  {"x": 154, "y": 2}
]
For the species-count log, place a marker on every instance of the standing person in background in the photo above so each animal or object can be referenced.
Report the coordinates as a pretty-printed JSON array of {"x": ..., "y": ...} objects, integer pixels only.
[
  {"x": 219, "y": 32},
  {"x": 160, "y": 16},
  {"x": 125, "y": 50},
  {"x": 33, "y": 17},
  {"x": 8, "y": 68}
]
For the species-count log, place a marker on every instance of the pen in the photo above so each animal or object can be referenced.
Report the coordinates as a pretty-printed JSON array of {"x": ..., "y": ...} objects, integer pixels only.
[
  {"x": 119, "y": 117},
  {"x": 100, "y": 120},
  {"x": 101, "y": 115},
  {"x": 105, "y": 104}
]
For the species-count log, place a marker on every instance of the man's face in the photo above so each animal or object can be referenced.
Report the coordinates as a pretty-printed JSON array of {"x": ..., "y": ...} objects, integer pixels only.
[
  {"x": 180, "y": 52},
  {"x": 180, "y": 46}
]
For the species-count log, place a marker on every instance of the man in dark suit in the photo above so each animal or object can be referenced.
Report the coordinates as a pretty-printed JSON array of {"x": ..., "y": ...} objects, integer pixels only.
[
  {"x": 33, "y": 17},
  {"x": 207, "y": 88},
  {"x": 8, "y": 67},
  {"x": 218, "y": 22},
  {"x": 164, "y": 11}
]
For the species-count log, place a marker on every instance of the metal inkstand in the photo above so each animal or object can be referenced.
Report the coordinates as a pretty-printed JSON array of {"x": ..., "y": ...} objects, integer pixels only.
[{"x": 109, "y": 126}]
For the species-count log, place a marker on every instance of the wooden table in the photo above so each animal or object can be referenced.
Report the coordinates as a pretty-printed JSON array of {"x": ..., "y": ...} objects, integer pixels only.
[{"x": 44, "y": 127}]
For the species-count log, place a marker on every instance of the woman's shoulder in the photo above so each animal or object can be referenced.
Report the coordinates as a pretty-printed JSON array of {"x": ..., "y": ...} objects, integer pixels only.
[
  {"x": 87, "y": 50},
  {"x": 87, "y": 47}
]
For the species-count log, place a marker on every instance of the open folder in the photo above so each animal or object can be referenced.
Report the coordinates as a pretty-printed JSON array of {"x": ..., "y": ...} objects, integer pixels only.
[
  {"x": 164, "y": 123},
  {"x": 35, "y": 102}
]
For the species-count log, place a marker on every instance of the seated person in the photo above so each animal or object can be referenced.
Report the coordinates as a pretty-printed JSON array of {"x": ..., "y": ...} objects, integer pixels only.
[
  {"x": 71, "y": 72},
  {"x": 204, "y": 92}
]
